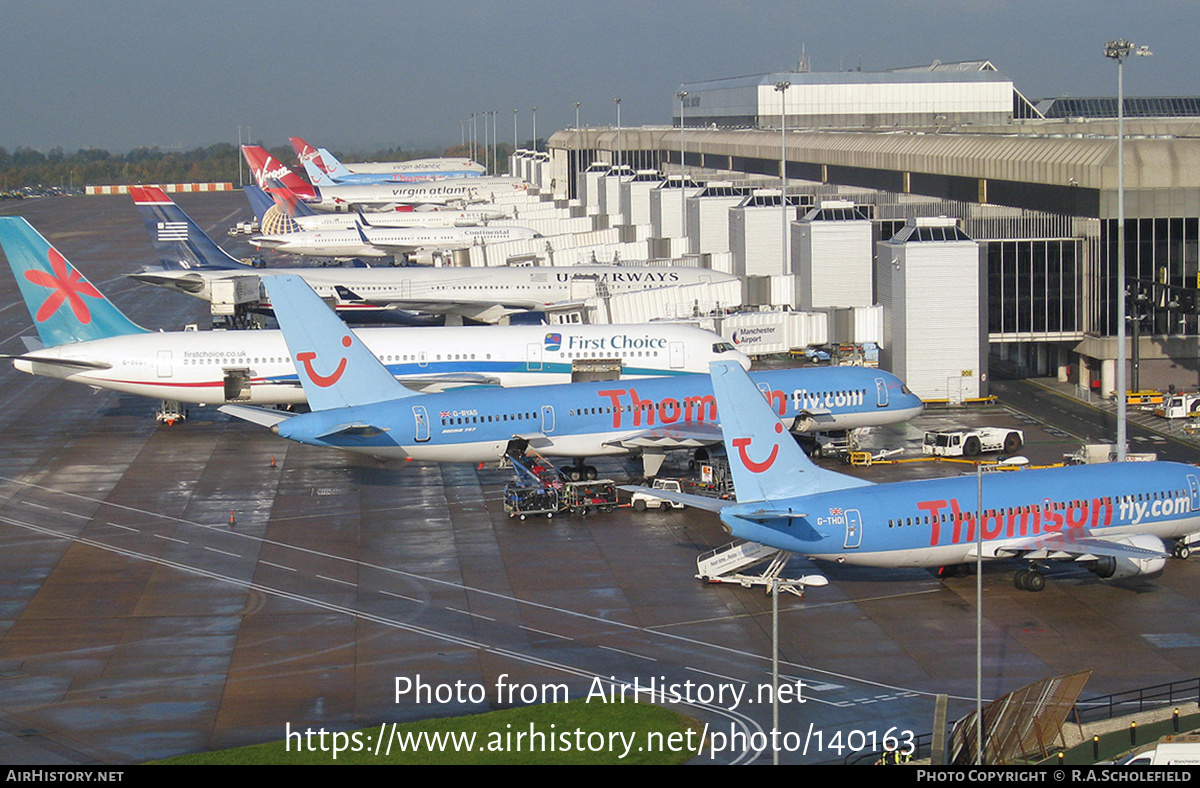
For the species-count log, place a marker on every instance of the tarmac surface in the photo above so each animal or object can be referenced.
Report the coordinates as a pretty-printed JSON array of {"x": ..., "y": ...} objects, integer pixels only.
[{"x": 166, "y": 590}]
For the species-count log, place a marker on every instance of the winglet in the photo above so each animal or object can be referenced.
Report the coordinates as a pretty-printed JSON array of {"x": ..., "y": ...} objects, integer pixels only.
[
  {"x": 764, "y": 458},
  {"x": 335, "y": 368},
  {"x": 64, "y": 305}
]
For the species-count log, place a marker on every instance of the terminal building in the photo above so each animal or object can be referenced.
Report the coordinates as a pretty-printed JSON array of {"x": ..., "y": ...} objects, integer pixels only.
[{"x": 1031, "y": 186}]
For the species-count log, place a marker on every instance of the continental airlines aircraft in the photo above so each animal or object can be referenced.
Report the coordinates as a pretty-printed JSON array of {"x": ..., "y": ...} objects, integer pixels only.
[
  {"x": 85, "y": 339},
  {"x": 358, "y": 406},
  {"x": 387, "y": 242},
  {"x": 379, "y": 196},
  {"x": 1118, "y": 519},
  {"x": 191, "y": 262},
  {"x": 413, "y": 166}
]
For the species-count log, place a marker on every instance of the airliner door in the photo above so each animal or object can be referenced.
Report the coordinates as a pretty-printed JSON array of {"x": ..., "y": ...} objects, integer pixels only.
[
  {"x": 881, "y": 395},
  {"x": 677, "y": 355},
  {"x": 1194, "y": 492},
  {"x": 533, "y": 357},
  {"x": 547, "y": 419},
  {"x": 853, "y": 529},
  {"x": 164, "y": 364},
  {"x": 420, "y": 424}
]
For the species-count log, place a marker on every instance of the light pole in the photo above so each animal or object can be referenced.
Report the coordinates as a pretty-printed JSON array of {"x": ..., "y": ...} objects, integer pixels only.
[
  {"x": 578, "y": 156},
  {"x": 486, "y": 147},
  {"x": 781, "y": 88},
  {"x": 1119, "y": 50},
  {"x": 681, "y": 95},
  {"x": 534, "y": 111},
  {"x": 241, "y": 180},
  {"x": 620, "y": 150}
]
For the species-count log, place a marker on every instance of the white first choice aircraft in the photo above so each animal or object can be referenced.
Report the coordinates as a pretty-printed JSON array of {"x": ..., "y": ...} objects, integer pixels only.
[
  {"x": 84, "y": 338},
  {"x": 1117, "y": 519}
]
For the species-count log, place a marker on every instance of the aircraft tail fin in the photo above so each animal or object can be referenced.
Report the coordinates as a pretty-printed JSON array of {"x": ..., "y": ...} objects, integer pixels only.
[
  {"x": 260, "y": 202},
  {"x": 764, "y": 458},
  {"x": 64, "y": 305},
  {"x": 335, "y": 368},
  {"x": 321, "y": 166},
  {"x": 179, "y": 241},
  {"x": 287, "y": 200},
  {"x": 265, "y": 167},
  {"x": 300, "y": 147},
  {"x": 330, "y": 164}
]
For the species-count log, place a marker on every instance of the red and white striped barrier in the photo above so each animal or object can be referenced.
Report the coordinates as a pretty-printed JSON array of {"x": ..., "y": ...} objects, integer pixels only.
[{"x": 169, "y": 187}]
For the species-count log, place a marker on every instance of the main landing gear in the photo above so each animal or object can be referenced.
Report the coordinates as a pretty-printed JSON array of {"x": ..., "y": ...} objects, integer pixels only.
[
  {"x": 1030, "y": 579},
  {"x": 580, "y": 472}
]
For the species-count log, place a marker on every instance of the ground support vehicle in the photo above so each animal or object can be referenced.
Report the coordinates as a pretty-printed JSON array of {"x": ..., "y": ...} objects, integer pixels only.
[
  {"x": 542, "y": 489},
  {"x": 523, "y": 501},
  {"x": 585, "y": 497},
  {"x": 643, "y": 501},
  {"x": 730, "y": 564},
  {"x": 969, "y": 443}
]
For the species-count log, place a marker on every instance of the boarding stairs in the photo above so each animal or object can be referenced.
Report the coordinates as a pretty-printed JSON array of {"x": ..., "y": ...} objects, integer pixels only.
[{"x": 726, "y": 564}]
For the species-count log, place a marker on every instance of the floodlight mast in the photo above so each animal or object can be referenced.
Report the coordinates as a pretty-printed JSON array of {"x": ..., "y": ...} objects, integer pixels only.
[
  {"x": 781, "y": 88},
  {"x": 1118, "y": 50}
]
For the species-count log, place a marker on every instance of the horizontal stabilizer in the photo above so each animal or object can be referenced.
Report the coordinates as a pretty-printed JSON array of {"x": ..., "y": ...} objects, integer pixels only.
[
  {"x": 433, "y": 383},
  {"x": 266, "y": 417},
  {"x": 702, "y": 502},
  {"x": 357, "y": 430},
  {"x": 184, "y": 282},
  {"x": 770, "y": 515},
  {"x": 61, "y": 362}
]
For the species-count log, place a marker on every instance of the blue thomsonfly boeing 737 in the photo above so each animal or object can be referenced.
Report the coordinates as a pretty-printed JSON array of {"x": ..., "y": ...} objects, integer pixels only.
[
  {"x": 1115, "y": 518},
  {"x": 358, "y": 406}
]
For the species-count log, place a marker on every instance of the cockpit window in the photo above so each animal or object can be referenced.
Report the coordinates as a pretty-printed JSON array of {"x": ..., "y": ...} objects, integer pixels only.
[{"x": 722, "y": 347}]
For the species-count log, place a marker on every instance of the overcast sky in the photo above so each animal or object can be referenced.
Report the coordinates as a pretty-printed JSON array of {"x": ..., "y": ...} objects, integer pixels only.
[{"x": 365, "y": 74}]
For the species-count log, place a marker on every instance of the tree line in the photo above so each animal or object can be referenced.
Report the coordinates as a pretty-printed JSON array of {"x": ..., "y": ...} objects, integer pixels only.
[{"x": 28, "y": 167}]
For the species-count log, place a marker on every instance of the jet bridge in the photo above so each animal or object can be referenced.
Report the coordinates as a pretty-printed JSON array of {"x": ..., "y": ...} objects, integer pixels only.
[{"x": 726, "y": 565}]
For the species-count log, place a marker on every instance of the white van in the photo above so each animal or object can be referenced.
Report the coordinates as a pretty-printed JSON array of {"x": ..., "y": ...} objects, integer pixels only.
[
  {"x": 1179, "y": 406},
  {"x": 1183, "y": 750}
]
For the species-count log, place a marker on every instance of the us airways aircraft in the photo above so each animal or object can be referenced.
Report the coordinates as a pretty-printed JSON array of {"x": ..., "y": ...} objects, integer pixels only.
[
  {"x": 1115, "y": 518},
  {"x": 416, "y": 166},
  {"x": 323, "y": 169},
  {"x": 388, "y": 242},
  {"x": 192, "y": 262},
  {"x": 84, "y": 338},
  {"x": 358, "y": 406},
  {"x": 379, "y": 196}
]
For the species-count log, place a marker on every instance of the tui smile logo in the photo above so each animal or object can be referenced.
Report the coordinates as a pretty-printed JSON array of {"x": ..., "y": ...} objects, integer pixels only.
[
  {"x": 324, "y": 381},
  {"x": 752, "y": 465},
  {"x": 68, "y": 285}
]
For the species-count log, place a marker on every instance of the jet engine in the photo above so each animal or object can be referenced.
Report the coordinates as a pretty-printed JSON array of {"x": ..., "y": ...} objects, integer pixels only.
[{"x": 1116, "y": 567}]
